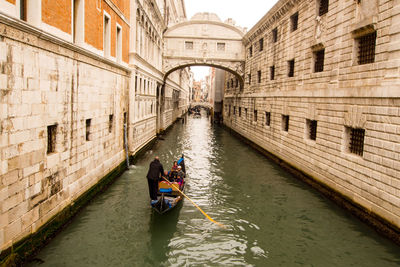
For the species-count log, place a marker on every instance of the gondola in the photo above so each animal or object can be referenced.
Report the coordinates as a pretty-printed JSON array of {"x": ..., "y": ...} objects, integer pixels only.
[{"x": 168, "y": 195}]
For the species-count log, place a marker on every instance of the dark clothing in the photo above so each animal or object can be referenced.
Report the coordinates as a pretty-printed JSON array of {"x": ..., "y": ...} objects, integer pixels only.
[
  {"x": 156, "y": 170},
  {"x": 153, "y": 188}
]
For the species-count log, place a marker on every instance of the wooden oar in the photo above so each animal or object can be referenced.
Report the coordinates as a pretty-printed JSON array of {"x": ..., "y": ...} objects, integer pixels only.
[{"x": 205, "y": 214}]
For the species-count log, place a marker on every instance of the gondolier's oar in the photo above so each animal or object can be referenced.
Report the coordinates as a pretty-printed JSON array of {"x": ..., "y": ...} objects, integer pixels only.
[{"x": 205, "y": 214}]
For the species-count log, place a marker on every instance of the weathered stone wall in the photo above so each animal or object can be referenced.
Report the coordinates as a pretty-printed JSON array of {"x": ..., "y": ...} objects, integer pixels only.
[
  {"x": 344, "y": 95},
  {"x": 43, "y": 82}
]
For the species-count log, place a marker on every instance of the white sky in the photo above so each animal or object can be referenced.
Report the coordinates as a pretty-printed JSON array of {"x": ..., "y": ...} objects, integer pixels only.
[{"x": 246, "y": 13}]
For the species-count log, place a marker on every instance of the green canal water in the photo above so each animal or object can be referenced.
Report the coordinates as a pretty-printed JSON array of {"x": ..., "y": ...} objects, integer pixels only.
[{"x": 272, "y": 218}]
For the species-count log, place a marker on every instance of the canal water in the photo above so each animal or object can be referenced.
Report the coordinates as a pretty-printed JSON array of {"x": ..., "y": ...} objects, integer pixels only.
[{"x": 272, "y": 218}]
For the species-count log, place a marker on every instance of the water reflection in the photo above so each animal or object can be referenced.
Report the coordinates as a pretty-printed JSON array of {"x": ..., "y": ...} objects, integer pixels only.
[{"x": 272, "y": 218}]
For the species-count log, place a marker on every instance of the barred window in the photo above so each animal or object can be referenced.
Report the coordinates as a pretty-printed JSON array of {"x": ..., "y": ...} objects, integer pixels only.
[
  {"x": 245, "y": 113},
  {"x": 231, "y": 83},
  {"x": 51, "y": 138},
  {"x": 251, "y": 51},
  {"x": 311, "y": 129},
  {"x": 255, "y": 115},
  {"x": 188, "y": 45},
  {"x": 249, "y": 77},
  {"x": 272, "y": 72},
  {"x": 323, "y": 7},
  {"x": 294, "y": 21},
  {"x": 110, "y": 122},
  {"x": 240, "y": 111},
  {"x": 237, "y": 82},
  {"x": 319, "y": 57},
  {"x": 275, "y": 35},
  {"x": 261, "y": 44},
  {"x": 259, "y": 76},
  {"x": 366, "y": 48},
  {"x": 356, "y": 140},
  {"x": 221, "y": 46},
  {"x": 88, "y": 126},
  {"x": 267, "y": 118},
  {"x": 291, "y": 68},
  {"x": 285, "y": 123}
]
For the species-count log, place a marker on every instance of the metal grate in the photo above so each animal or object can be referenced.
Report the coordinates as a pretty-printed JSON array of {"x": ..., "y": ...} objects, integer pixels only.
[
  {"x": 291, "y": 68},
  {"x": 267, "y": 118},
  {"x": 294, "y": 21},
  {"x": 188, "y": 45},
  {"x": 275, "y": 35},
  {"x": 356, "y": 145},
  {"x": 366, "y": 48},
  {"x": 319, "y": 60},
  {"x": 312, "y": 129},
  {"x": 88, "y": 123},
  {"x": 110, "y": 122},
  {"x": 285, "y": 123},
  {"x": 323, "y": 7},
  {"x": 51, "y": 138},
  {"x": 272, "y": 72}
]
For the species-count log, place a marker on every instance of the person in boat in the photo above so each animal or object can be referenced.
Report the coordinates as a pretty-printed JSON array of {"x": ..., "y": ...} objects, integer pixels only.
[
  {"x": 180, "y": 176},
  {"x": 174, "y": 172},
  {"x": 156, "y": 170}
]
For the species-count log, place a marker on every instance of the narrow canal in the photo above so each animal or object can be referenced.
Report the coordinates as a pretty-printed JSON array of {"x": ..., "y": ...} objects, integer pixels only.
[{"x": 273, "y": 219}]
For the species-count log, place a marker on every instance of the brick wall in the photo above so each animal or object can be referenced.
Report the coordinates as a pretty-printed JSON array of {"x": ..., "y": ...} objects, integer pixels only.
[{"x": 57, "y": 14}]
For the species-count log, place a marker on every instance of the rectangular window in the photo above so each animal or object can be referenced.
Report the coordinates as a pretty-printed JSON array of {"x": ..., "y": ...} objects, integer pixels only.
[
  {"x": 285, "y": 123},
  {"x": 251, "y": 51},
  {"x": 110, "y": 122},
  {"x": 234, "y": 110},
  {"x": 356, "y": 140},
  {"x": 240, "y": 111},
  {"x": 319, "y": 60},
  {"x": 22, "y": 10},
  {"x": 245, "y": 113},
  {"x": 261, "y": 44},
  {"x": 255, "y": 115},
  {"x": 249, "y": 77},
  {"x": 311, "y": 129},
  {"x": 227, "y": 84},
  {"x": 291, "y": 68},
  {"x": 78, "y": 27},
  {"x": 88, "y": 125},
  {"x": 272, "y": 72},
  {"x": 366, "y": 48},
  {"x": 51, "y": 138},
  {"x": 118, "y": 47},
  {"x": 294, "y": 21},
  {"x": 106, "y": 36},
  {"x": 237, "y": 82},
  {"x": 229, "y": 111},
  {"x": 221, "y": 46},
  {"x": 231, "y": 83},
  {"x": 323, "y": 7},
  {"x": 267, "y": 118},
  {"x": 188, "y": 45},
  {"x": 275, "y": 35},
  {"x": 259, "y": 76}
]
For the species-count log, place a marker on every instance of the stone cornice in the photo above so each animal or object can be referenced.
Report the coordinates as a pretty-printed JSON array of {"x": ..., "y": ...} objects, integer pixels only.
[
  {"x": 273, "y": 15},
  {"x": 37, "y": 35}
]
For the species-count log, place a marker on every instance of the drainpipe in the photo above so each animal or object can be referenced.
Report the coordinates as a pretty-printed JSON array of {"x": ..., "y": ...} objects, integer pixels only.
[{"x": 126, "y": 143}]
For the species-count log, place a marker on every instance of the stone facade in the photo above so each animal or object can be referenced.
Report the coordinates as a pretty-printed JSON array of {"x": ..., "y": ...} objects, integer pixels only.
[
  {"x": 68, "y": 85},
  {"x": 313, "y": 99}
]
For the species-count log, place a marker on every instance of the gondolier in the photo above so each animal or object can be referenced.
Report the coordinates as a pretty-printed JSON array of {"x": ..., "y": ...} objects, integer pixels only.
[{"x": 156, "y": 171}]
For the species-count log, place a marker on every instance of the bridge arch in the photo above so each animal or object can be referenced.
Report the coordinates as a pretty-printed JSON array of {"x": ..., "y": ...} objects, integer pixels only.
[{"x": 205, "y": 41}]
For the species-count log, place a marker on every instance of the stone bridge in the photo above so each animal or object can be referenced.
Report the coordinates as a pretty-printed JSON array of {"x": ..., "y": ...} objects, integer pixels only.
[{"x": 205, "y": 41}]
